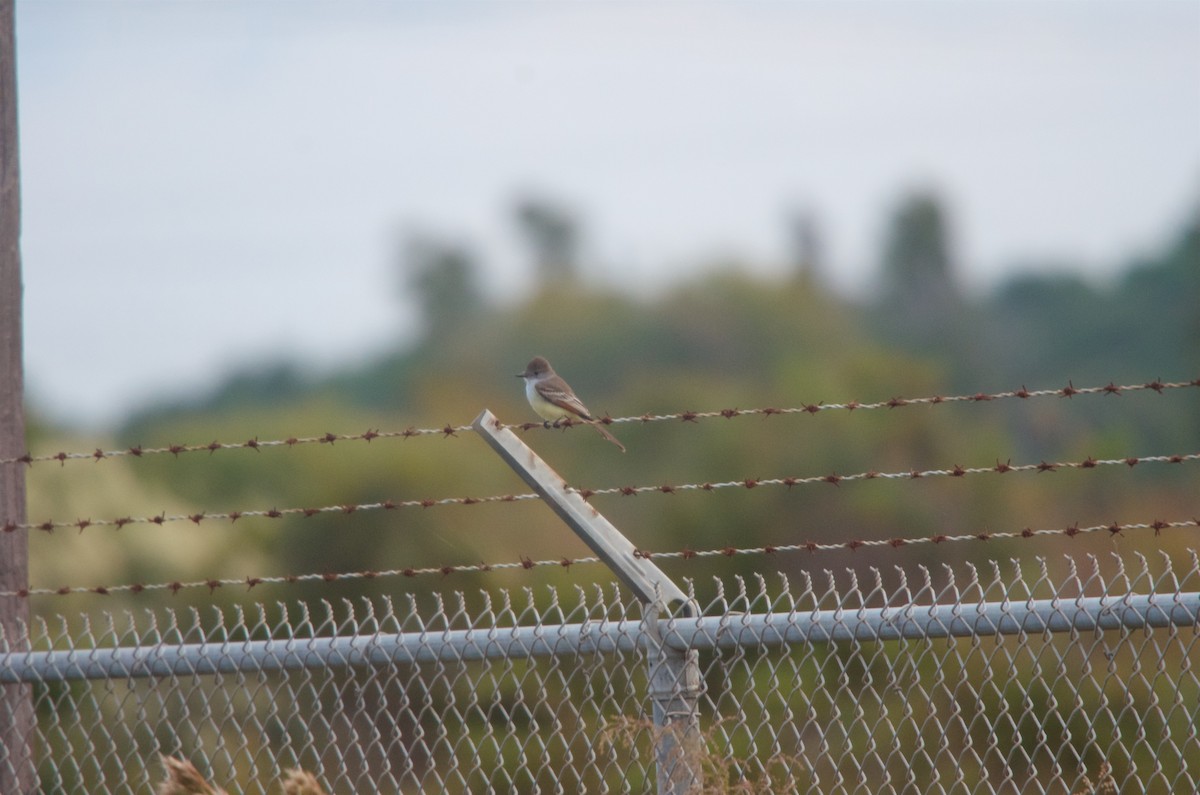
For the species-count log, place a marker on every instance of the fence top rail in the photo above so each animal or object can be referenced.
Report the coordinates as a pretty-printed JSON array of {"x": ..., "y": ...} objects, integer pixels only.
[
  {"x": 729, "y": 630},
  {"x": 1017, "y": 581}
]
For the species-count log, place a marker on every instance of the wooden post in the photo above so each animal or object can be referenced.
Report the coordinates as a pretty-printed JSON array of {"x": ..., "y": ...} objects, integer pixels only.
[{"x": 17, "y": 771}]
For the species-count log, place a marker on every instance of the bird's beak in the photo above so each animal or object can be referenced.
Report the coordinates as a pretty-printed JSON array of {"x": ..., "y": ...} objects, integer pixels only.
[{"x": 520, "y": 375}]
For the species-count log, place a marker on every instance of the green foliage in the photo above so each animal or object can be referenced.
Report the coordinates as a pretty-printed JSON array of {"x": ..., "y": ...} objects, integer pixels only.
[
  {"x": 918, "y": 267},
  {"x": 1048, "y": 327},
  {"x": 727, "y": 340},
  {"x": 921, "y": 307}
]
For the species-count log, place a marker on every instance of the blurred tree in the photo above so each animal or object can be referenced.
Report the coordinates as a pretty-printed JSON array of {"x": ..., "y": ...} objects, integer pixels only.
[
  {"x": 1173, "y": 285},
  {"x": 806, "y": 248},
  {"x": 921, "y": 306},
  {"x": 1145, "y": 324},
  {"x": 919, "y": 279},
  {"x": 444, "y": 277},
  {"x": 1049, "y": 308},
  {"x": 1050, "y": 324},
  {"x": 552, "y": 234}
]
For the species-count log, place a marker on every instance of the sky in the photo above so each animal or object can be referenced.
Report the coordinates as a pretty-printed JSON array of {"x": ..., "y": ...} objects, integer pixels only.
[{"x": 211, "y": 185}]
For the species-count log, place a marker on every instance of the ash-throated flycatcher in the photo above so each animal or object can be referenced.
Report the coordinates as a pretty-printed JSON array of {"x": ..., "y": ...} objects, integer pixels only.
[{"x": 554, "y": 401}]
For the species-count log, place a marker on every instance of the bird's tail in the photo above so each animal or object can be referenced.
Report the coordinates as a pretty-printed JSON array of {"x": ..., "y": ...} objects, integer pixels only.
[{"x": 606, "y": 434}]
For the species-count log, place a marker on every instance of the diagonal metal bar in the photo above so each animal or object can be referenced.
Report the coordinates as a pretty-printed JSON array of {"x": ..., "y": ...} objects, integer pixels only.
[
  {"x": 675, "y": 683},
  {"x": 647, "y": 581}
]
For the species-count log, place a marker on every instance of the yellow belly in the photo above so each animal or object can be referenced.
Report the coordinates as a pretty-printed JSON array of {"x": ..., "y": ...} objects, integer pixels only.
[{"x": 544, "y": 408}]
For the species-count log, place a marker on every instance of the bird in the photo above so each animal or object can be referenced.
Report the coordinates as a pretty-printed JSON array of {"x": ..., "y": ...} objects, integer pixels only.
[{"x": 554, "y": 400}]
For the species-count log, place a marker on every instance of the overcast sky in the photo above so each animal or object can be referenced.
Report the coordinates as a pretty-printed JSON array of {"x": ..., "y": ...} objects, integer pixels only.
[{"x": 207, "y": 184}]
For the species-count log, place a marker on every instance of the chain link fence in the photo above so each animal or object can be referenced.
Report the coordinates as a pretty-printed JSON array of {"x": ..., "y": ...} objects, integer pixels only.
[{"x": 1019, "y": 678}]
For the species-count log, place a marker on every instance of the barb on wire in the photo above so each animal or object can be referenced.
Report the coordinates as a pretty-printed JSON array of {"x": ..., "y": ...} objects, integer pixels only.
[
  {"x": 1114, "y": 529},
  {"x": 449, "y": 430},
  {"x": 835, "y": 479}
]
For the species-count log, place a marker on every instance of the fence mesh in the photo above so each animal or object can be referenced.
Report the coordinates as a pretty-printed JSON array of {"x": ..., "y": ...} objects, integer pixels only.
[{"x": 479, "y": 707}]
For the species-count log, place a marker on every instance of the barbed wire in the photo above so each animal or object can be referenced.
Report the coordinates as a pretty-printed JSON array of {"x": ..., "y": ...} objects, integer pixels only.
[
  {"x": 212, "y": 584},
  {"x": 835, "y": 479},
  {"x": 1068, "y": 391},
  {"x": 272, "y": 513},
  {"x": 255, "y": 443},
  {"x": 914, "y": 474},
  {"x": 448, "y": 430}
]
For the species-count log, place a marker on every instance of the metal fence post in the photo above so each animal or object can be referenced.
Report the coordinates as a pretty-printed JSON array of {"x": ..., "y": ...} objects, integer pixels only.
[
  {"x": 675, "y": 689},
  {"x": 675, "y": 684},
  {"x": 18, "y": 773}
]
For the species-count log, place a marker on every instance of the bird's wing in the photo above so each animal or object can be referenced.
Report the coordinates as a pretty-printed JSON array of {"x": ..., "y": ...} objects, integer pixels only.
[{"x": 561, "y": 395}]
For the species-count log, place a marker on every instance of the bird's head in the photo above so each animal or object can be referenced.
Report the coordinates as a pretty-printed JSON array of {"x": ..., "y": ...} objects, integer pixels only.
[{"x": 536, "y": 368}]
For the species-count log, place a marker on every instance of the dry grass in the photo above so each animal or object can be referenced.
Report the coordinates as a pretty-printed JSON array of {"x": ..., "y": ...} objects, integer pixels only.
[
  {"x": 184, "y": 779},
  {"x": 300, "y": 782},
  {"x": 1107, "y": 785},
  {"x": 719, "y": 774}
]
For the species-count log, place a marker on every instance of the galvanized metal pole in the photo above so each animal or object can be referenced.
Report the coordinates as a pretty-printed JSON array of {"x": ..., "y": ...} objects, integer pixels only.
[
  {"x": 675, "y": 683},
  {"x": 17, "y": 772},
  {"x": 772, "y": 630},
  {"x": 675, "y": 690}
]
